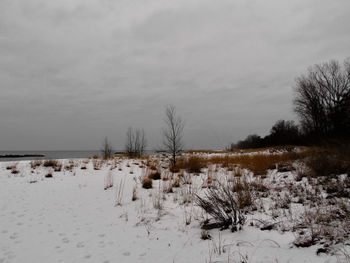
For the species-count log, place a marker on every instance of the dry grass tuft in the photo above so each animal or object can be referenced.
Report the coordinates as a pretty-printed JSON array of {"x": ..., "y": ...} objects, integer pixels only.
[
  {"x": 35, "y": 164},
  {"x": 154, "y": 175},
  {"x": 146, "y": 183},
  {"x": 50, "y": 163},
  {"x": 97, "y": 164},
  {"x": 176, "y": 182},
  {"x": 192, "y": 164}
]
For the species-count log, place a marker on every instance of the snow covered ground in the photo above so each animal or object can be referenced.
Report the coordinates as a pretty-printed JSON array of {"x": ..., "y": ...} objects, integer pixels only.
[{"x": 70, "y": 217}]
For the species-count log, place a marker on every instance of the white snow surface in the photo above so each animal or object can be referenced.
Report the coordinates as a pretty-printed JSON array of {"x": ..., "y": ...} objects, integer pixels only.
[{"x": 71, "y": 218}]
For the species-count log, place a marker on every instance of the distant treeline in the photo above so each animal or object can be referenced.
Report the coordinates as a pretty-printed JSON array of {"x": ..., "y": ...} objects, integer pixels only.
[
  {"x": 322, "y": 103},
  {"x": 282, "y": 133}
]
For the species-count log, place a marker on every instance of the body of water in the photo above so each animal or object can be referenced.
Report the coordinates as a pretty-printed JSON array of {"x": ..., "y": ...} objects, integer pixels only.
[
  {"x": 48, "y": 155},
  {"x": 53, "y": 154}
]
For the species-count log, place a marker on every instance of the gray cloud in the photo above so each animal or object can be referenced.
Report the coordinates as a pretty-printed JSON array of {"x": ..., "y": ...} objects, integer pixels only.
[{"x": 74, "y": 71}]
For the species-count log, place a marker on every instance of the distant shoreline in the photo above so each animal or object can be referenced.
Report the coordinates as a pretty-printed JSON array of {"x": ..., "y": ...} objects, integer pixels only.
[{"x": 21, "y": 155}]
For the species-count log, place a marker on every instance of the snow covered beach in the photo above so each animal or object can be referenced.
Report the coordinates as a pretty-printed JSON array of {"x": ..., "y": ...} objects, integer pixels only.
[{"x": 92, "y": 210}]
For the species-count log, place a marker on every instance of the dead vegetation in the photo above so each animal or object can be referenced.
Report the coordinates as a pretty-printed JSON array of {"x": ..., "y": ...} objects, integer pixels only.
[
  {"x": 192, "y": 164},
  {"x": 258, "y": 163},
  {"x": 147, "y": 183},
  {"x": 223, "y": 204},
  {"x": 302, "y": 191}
]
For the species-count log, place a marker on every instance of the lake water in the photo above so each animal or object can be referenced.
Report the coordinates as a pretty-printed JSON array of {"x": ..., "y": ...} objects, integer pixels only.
[
  {"x": 53, "y": 154},
  {"x": 48, "y": 155}
]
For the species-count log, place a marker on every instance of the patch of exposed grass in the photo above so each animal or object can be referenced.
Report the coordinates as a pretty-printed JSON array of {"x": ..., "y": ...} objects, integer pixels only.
[
  {"x": 257, "y": 163},
  {"x": 192, "y": 164}
]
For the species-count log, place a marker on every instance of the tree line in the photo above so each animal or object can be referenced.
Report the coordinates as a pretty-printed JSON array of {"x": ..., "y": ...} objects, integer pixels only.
[{"x": 322, "y": 104}]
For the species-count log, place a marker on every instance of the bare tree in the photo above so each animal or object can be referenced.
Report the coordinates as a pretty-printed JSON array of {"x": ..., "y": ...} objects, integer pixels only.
[
  {"x": 322, "y": 99},
  {"x": 129, "y": 144},
  {"x": 173, "y": 133},
  {"x": 143, "y": 142},
  {"x": 136, "y": 142},
  {"x": 106, "y": 149}
]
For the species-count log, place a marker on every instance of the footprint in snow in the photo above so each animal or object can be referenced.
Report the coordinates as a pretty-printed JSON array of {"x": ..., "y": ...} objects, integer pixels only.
[
  {"x": 65, "y": 240},
  {"x": 14, "y": 236},
  {"x": 80, "y": 245}
]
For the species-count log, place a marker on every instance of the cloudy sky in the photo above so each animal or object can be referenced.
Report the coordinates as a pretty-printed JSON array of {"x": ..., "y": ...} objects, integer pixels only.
[{"x": 74, "y": 71}]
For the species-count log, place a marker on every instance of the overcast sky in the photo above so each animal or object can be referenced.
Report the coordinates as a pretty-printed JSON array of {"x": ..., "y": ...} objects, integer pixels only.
[{"x": 74, "y": 71}]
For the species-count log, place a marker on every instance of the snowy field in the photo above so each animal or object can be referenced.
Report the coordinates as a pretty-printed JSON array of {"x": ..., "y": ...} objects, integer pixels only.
[{"x": 97, "y": 211}]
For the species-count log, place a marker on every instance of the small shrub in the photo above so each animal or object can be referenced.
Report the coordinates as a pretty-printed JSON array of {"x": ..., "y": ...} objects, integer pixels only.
[
  {"x": 154, "y": 175},
  {"x": 14, "y": 170},
  {"x": 97, "y": 164},
  {"x": 176, "y": 182},
  {"x": 58, "y": 167},
  {"x": 35, "y": 164},
  {"x": 329, "y": 162},
  {"x": 244, "y": 197},
  {"x": 146, "y": 183},
  {"x": 205, "y": 235},
  {"x": 222, "y": 204},
  {"x": 50, "y": 163},
  {"x": 49, "y": 175},
  {"x": 69, "y": 167}
]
